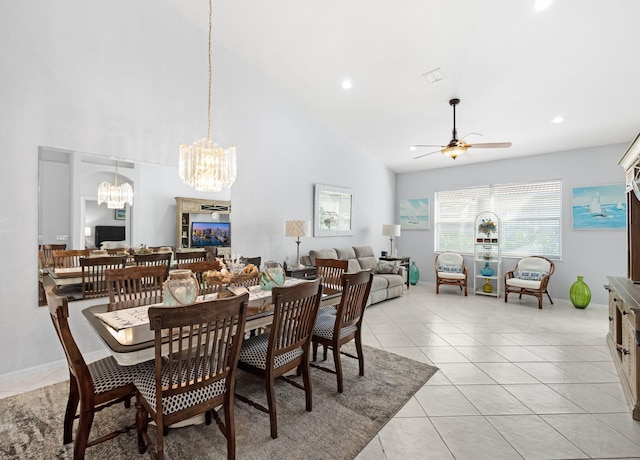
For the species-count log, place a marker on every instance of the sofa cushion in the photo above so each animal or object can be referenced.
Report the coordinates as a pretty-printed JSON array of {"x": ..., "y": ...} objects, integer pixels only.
[
  {"x": 322, "y": 254},
  {"x": 368, "y": 263},
  {"x": 379, "y": 282},
  {"x": 345, "y": 253},
  {"x": 387, "y": 266},
  {"x": 393, "y": 280},
  {"x": 363, "y": 251},
  {"x": 354, "y": 266}
]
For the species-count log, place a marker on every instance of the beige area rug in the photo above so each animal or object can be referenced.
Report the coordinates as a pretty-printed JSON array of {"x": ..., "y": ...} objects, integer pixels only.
[{"x": 339, "y": 426}]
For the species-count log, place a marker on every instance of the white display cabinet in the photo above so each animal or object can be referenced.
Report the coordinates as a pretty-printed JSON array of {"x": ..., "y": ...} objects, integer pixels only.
[{"x": 487, "y": 260}]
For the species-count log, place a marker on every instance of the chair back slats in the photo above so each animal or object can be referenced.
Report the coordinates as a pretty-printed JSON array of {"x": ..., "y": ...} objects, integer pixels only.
[
  {"x": 156, "y": 258},
  {"x": 295, "y": 312},
  {"x": 355, "y": 292},
  {"x": 69, "y": 258},
  {"x": 246, "y": 280},
  {"x": 135, "y": 286},
  {"x": 198, "y": 268},
  {"x": 47, "y": 253},
  {"x": 331, "y": 271},
  {"x": 94, "y": 283},
  {"x": 190, "y": 256},
  {"x": 211, "y": 335}
]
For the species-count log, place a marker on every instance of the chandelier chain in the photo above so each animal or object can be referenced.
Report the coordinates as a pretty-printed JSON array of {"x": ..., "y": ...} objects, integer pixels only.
[{"x": 210, "y": 71}]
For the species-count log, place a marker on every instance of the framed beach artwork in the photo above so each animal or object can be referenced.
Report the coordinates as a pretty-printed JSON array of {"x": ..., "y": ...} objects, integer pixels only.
[
  {"x": 602, "y": 207},
  {"x": 414, "y": 214}
]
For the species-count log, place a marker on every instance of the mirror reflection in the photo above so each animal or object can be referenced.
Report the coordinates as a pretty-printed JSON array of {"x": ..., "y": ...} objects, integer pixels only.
[{"x": 70, "y": 218}]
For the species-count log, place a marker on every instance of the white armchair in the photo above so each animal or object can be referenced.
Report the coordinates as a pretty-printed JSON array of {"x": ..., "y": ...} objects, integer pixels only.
[
  {"x": 530, "y": 277},
  {"x": 450, "y": 270}
]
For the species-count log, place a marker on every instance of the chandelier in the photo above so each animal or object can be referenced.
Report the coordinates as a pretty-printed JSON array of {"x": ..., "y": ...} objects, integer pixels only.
[
  {"x": 116, "y": 196},
  {"x": 204, "y": 165}
]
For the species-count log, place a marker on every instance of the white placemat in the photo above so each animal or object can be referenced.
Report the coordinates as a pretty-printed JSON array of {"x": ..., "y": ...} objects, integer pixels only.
[{"x": 128, "y": 317}]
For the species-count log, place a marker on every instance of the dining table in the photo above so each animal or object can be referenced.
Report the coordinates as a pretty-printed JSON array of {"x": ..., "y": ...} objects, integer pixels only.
[{"x": 127, "y": 334}]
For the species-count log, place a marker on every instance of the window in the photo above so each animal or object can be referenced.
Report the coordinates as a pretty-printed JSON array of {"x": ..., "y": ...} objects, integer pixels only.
[{"x": 530, "y": 217}]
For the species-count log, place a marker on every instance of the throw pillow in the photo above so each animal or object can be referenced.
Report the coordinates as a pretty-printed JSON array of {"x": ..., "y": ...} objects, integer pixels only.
[
  {"x": 447, "y": 268},
  {"x": 386, "y": 266},
  {"x": 530, "y": 275}
]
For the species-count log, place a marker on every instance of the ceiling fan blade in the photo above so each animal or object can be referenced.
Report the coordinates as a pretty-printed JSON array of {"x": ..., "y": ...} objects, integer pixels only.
[
  {"x": 426, "y": 145},
  {"x": 426, "y": 154},
  {"x": 491, "y": 145}
]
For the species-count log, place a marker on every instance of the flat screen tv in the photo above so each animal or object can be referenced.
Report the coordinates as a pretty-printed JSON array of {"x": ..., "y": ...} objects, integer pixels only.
[{"x": 210, "y": 234}]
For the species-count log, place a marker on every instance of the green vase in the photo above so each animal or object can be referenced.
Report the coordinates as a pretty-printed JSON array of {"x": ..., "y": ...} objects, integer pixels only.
[
  {"x": 487, "y": 286},
  {"x": 580, "y": 294},
  {"x": 414, "y": 273}
]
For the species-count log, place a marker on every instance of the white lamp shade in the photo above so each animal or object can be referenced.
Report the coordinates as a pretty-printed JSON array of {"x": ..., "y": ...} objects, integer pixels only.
[
  {"x": 391, "y": 230},
  {"x": 298, "y": 228}
]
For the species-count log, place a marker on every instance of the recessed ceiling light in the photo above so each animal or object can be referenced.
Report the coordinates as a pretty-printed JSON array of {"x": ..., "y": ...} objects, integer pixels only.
[
  {"x": 557, "y": 119},
  {"x": 346, "y": 84},
  {"x": 412, "y": 147},
  {"x": 542, "y": 4}
]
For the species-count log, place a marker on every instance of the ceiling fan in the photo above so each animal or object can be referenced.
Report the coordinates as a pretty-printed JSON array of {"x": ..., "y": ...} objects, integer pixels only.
[{"x": 456, "y": 146}]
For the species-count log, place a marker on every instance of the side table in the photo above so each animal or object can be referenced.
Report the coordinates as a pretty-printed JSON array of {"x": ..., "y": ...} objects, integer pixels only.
[
  {"x": 302, "y": 273},
  {"x": 404, "y": 262}
]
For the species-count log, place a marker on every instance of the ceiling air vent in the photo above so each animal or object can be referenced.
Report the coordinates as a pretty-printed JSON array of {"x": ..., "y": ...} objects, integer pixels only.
[{"x": 434, "y": 76}]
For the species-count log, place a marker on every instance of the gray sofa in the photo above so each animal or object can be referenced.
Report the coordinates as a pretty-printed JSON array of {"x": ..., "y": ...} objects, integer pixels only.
[{"x": 385, "y": 285}]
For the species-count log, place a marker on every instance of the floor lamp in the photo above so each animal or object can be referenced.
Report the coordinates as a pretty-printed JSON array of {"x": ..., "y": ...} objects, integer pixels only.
[{"x": 297, "y": 229}]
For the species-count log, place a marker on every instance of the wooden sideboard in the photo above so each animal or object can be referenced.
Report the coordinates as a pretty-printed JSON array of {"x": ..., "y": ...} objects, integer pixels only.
[{"x": 624, "y": 336}]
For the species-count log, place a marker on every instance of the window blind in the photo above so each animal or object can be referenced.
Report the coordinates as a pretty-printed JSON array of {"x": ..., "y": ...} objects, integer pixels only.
[{"x": 530, "y": 217}]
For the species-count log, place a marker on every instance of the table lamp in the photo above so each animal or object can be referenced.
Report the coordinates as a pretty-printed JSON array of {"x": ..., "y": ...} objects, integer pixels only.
[
  {"x": 391, "y": 230},
  {"x": 298, "y": 228}
]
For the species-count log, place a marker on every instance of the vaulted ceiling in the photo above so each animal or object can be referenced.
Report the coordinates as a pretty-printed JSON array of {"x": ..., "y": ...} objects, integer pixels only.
[{"x": 514, "y": 68}]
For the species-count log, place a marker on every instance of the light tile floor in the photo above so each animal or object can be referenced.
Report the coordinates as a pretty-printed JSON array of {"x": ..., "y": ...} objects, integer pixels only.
[{"x": 514, "y": 382}]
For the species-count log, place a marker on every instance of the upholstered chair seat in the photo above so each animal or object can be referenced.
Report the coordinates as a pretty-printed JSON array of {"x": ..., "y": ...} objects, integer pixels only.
[{"x": 254, "y": 353}]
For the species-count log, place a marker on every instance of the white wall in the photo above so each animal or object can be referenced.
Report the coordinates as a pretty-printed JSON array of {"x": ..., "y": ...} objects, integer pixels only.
[
  {"x": 593, "y": 254},
  {"x": 119, "y": 78}
]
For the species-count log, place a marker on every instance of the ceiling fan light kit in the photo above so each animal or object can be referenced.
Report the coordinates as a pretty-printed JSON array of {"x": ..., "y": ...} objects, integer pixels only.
[{"x": 457, "y": 147}]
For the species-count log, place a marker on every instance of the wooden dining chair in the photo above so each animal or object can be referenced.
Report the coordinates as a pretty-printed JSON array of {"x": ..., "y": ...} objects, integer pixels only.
[
  {"x": 155, "y": 258},
  {"x": 245, "y": 280},
  {"x": 188, "y": 380},
  {"x": 94, "y": 283},
  {"x": 190, "y": 256},
  {"x": 285, "y": 346},
  {"x": 93, "y": 386},
  {"x": 257, "y": 261},
  {"x": 135, "y": 286},
  {"x": 331, "y": 271},
  {"x": 333, "y": 331},
  {"x": 69, "y": 258},
  {"x": 198, "y": 268},
  {"x": 47, "y": 253}
]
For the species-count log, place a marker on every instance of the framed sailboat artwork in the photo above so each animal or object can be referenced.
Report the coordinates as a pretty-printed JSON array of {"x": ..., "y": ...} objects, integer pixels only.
[{"x": 600, "y": 207}]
